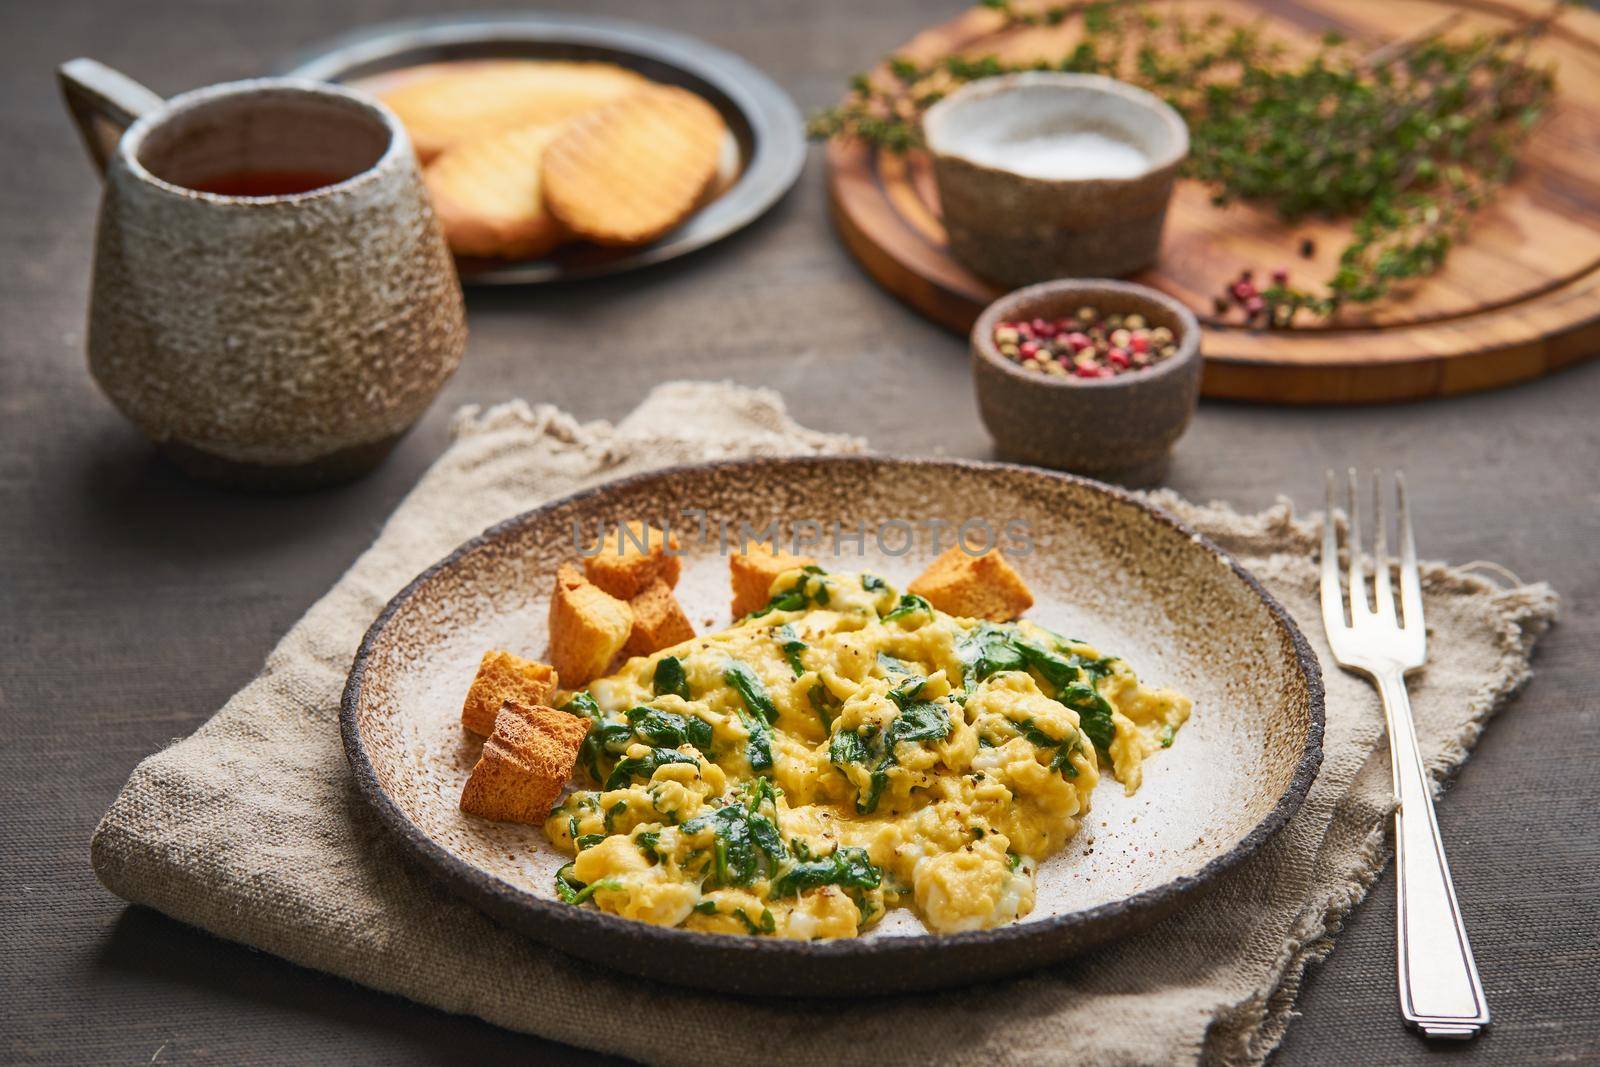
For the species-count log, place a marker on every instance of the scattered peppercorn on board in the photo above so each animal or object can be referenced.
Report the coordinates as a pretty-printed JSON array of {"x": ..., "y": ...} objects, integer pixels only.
[{"x": 1518, "y": 298}]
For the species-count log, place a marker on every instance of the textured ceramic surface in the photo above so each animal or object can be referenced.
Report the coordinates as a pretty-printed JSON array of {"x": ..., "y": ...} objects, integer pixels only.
[
  {"x": 1014, "y": 229},
  {"x": 276, "y": 340},
  {"x": 1104, "y": 567},
  {"x": 1123, "y": 426}
]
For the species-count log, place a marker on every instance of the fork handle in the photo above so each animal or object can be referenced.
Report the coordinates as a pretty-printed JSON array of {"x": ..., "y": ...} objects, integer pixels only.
[{"x": 1440, "y": 993}]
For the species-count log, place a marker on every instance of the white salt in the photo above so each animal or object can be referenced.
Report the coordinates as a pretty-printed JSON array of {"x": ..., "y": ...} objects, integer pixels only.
[{"x": 1066, "y": 155}]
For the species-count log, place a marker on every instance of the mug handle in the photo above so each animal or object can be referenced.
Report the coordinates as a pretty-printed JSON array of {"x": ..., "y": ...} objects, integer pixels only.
[{"x": 103, "y": 103}]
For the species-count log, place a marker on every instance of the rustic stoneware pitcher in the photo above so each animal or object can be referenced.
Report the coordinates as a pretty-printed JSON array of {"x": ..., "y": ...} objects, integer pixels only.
[{"x": 272, "y": 302}]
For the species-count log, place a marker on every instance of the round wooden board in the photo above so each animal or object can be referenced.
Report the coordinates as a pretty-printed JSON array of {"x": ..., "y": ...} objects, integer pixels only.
[{"x": 1519, "y": 297}]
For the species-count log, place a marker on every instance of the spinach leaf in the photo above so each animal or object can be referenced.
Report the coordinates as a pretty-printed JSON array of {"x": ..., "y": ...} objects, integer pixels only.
[
  {"x": 1062, "y": 760},
  {"x": 649, "y": 841},
  {"x": 846, "y": 746},
  {"x": 669, "y": 679},
  {"x": 668, "y": 729},
  {"x": 824, "y": 703},
  {"x": 566, "y": 886},
  {"x": 583, "y": 706},
  {"x": 871, "y": 583},
  {"x": 1051, "y": 667},
  {"x": 893, "y": 665},
  {"x": 810, "y": 588},
  {"x": 588, "y": 841},
  {"x": 1167, "y": 736},
  {"x": 909, "y": 604},
  {"x": 757, "y": 714},
  {"x": 750, "y": 689},
  {"x": 745, "y": 841},
  {"x": 1094, "y": 714},
  {"x": 1096, "y": 669},
  {"x": 987, "y": 649},
  {"x": 643, "y": 767},
  {"x": 792, "y": 647},
  {"x": 575, "y": 892},
  {"x": 919, "y": 720},
  {"x": 848, "y": 867},
  {"x": 758, "y": 750},
  {"x": 767, "y": 925},
  {"x": 606, "y": 739}
]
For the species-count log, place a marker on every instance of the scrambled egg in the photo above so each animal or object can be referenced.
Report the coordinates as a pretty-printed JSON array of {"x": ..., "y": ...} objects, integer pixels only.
[{"x": 845, "y": 751}]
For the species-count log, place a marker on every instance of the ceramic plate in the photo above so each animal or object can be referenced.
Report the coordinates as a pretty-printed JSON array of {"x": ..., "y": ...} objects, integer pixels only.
[
  {"x": 1104, "y": 567},
  {"x": 761, "y": 161}
]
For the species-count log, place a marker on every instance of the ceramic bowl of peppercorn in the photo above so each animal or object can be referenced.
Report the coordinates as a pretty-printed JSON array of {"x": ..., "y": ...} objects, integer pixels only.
[{"x": 1091, "y": 376}]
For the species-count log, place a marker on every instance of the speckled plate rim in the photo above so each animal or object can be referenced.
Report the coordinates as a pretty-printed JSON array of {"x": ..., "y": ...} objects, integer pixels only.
[
  {"x": 499, "y": 898},
  {"x": 777, "y": 131}
]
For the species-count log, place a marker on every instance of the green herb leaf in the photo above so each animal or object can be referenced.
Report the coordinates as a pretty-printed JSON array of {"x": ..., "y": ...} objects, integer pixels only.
[
  {"x": 668, "y": 729},
  {"x": 985, "y": 650},
  {"x": 747, "y": 842},
  {"x": 848, "y": 867},
  {"x": 792, "y": 647},
  {"x": 575, "y": 892},
  {"x": 824, "y": 703},
  {"x": 1094, "y": 714},
  {"x": 630, "y": 768},
  {"x": 669, "y": 678},
  {"x": 757, "y": 714},
  {"x": 909, "y": 604},
  {"x": 751, "y": 690}
]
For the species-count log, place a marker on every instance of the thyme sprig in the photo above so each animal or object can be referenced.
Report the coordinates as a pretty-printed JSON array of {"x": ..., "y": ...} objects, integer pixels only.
[{"x": 1405, "y": 143}]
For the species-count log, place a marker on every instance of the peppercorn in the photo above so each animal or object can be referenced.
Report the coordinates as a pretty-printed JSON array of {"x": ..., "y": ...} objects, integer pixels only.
[{"x": 1084, "y": 344}]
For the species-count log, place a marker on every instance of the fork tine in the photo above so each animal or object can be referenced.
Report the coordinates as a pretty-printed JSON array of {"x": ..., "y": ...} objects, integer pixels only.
[
  {"x": 1358, "y": 580},
  {"x": 1382, "y": 594},
  {"x": 1410, "y": 584},
  {"x": 1332, "y": 595}
]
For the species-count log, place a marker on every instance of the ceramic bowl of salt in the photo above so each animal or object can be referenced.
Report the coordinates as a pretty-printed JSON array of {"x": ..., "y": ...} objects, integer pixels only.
[{"x": 1048, "y": 175}]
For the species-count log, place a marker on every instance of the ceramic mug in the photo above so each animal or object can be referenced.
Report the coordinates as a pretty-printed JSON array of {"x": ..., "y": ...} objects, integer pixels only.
[{"x": 273, "y": 302}]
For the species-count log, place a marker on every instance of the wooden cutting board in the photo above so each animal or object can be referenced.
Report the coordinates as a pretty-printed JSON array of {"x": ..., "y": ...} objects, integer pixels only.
[{"x": 1518, "y": 298}]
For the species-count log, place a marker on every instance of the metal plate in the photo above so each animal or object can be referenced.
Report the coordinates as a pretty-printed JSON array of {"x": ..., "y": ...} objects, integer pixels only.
[{"x": 766, "y": 127}]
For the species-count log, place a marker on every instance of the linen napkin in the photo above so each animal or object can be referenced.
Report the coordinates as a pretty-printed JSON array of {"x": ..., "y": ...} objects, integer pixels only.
[{"x": 252, "y": 828}]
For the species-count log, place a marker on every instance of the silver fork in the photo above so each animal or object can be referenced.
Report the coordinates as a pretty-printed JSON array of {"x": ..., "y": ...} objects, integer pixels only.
[{"x": 1440, "y": 994}]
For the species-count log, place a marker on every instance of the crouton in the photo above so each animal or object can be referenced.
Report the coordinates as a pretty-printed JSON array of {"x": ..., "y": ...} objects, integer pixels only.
[
  {"x": 502, "y": 677},
  {"x": 752, "y": 573},
  {"x": 973, "y": 587},
  {"x": 625, "y": 570},
  {"x": 588, "y": 627},
  {"x": 526, "y": 762},
  {"x": 658, "y": 621}
]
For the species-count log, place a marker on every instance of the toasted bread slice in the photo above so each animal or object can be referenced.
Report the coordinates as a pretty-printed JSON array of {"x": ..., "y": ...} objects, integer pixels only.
[
  {"x": 630, "y": 559},
  {"x": 629, "y": 171},
  {"x": 973, "y": 587},
  {"x": 464, "y": 101},
  {"x": 487, "y": 196},
  {"x": 658, "y": 621},
  {"x": 503, "y": 676},
  {"x": 526, "y": 762},
  {"x": 752, "y": 573},
  {"x": 588, "y": 627}
]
